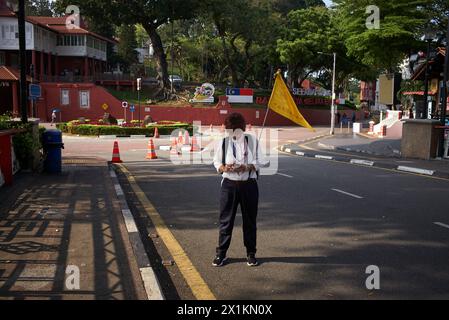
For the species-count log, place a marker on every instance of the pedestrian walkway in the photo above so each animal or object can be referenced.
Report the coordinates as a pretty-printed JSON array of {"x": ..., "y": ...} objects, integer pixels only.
[
  {"x": 357, "y": 143},
  {"x": 52, "y": 226}
]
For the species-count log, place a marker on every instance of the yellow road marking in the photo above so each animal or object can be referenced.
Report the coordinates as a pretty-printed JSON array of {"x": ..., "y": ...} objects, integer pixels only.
[{"x": 199, "y": 288}]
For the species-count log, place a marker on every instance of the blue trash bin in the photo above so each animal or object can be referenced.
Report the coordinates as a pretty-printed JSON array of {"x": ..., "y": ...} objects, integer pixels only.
[{"x": 53, "y": 145}]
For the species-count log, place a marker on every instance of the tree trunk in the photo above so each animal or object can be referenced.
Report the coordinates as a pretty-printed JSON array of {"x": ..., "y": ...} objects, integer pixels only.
[
  {"x": 161, "y": 57},
  {"x": 232, "y": 68}
]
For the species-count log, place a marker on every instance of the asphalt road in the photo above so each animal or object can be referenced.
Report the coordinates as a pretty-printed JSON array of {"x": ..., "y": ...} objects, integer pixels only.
[{"x": 321, "y": 224}]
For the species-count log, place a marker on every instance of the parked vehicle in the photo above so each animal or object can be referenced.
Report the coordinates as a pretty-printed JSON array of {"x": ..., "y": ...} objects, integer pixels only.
[{"x": 176, "y": 80}]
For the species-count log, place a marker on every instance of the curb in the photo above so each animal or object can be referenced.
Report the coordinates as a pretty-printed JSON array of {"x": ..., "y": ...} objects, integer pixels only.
[
  {"x": 397, "y": 153},
  {"x": 296, "y": 151},
  {"x": 149, "y": 279}
]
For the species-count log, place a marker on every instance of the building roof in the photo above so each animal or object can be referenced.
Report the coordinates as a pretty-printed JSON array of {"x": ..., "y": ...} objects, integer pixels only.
[
  {"x": 10, "y": 74},
  {"x": 55, "y": 24},
  {"x": 58, "y": 25}
]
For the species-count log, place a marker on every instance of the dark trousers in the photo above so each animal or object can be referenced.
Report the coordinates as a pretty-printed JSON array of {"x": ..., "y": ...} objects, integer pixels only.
[{"x": 233, "y": 194}]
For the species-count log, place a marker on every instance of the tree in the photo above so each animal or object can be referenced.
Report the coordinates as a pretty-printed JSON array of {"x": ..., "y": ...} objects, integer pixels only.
[
  {"x": 285, "y": 6},
  {"x": 42, "y": 8},
  {"x": 306, "y": 33},
  {"x": 127, "y": 45},
  {"x": 151, "y": 15},
  {"x": 384, "y": 48},
  {"x": 247, "y": 30}
]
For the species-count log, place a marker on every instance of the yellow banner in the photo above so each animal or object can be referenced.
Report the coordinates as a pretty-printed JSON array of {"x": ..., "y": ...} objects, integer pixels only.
[{"x": 282, "y": 102}]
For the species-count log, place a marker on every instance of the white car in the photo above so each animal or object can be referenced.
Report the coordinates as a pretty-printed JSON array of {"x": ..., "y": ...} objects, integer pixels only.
[{"x": 176, "y": 80}]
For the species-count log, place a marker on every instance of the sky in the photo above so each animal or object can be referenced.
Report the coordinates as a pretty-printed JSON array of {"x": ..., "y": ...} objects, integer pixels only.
[{"x": 328, "y": 2}]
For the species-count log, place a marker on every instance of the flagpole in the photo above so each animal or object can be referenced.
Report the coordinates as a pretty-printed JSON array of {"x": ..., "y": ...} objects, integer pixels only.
[
  {"x": 264, "y": 122},
  {"x": 268, "y": 111}
]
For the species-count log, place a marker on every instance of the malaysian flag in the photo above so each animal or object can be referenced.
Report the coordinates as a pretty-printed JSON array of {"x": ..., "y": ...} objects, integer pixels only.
[{"x": 237, "y": 95}]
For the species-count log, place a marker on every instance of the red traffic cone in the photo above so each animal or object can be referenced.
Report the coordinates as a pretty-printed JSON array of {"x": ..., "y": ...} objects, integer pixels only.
[
  {"x": 156, "y": 133},
  {"x": 186, "y": 138},
  {"x": 116, "y": 154},
  {"x": 151, "y": 155},
  {"x": 180, "y": 138},
  {"x": 195, "y": 146},
  {"x": 174, "y": 147}
]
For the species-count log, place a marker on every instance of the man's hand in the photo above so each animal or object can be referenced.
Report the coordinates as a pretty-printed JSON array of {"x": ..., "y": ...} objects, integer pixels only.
[{"x": 227, "y": 168}]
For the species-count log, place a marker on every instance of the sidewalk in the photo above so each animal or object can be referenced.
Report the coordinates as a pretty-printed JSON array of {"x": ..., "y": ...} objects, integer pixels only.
[
  {"x": 51, "y": 222},
  {"x": 357, "y": 143},
  {"x": 382, "y": 153}
]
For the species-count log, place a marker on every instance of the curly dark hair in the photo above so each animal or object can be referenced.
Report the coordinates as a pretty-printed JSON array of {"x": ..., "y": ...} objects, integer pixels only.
[{"x": 235, "y": 121}]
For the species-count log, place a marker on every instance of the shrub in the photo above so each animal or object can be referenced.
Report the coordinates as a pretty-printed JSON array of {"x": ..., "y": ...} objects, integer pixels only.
[{"x": 99, "y": 130}]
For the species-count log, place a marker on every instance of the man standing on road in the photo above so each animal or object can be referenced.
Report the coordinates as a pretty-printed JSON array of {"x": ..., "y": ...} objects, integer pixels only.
[{"x": 238, "y": 159}]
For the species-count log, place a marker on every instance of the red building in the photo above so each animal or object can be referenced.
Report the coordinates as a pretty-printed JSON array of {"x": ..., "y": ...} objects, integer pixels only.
[{"x": 60, "y": 52}]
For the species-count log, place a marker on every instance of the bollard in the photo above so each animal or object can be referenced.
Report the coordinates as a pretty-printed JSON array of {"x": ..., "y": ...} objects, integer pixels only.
[{"x": 371, "y": 127}]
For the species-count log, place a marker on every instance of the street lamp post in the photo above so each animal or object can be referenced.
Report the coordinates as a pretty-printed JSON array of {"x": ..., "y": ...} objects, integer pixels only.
[
  {"x": 444, "y": 95},
  {"x": 429, "y": 37},
  {"x": 139, "y": 88},
  {"x": 19, "y": 8},
  {"x": 334, "y": 71},
  {"x": 333, "y": 95}
]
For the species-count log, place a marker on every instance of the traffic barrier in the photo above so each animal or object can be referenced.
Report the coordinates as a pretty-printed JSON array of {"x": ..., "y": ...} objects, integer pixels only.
[
  {"x": 116, "y": 154},
  {"x": 383, "y": 132}
]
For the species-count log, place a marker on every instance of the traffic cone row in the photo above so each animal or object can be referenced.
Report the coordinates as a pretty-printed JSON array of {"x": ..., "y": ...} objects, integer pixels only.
[
  {"x": 116, "y": 154},
  {"x": 151, "y": 155}
]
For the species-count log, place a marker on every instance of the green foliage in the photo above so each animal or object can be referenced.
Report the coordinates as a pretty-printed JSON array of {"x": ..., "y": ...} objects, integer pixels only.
[
  {"x": 384, "y": 48},
  {"x": 307, "y": 32},
  {"x": 26, "y": 143},
  {"x": 97, "y": 130},
  {"x": 127, "y": 45},
  {"x": 39, "y": 8}
]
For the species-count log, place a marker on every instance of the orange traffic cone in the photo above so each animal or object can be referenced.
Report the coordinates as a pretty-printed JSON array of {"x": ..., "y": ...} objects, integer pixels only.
[
  {"x": 116, "y": 154},
  {"x": 187, "y": 138},
  {"x": 151, "y": 155},
  {"x": 211, "y": 128},
  {"x": 174, "y": 147},
  {"x": 250, "y": 127},
  {"x": 180, "y": 138},
  {"x": 195, "y": 146},
  {"x": 223, "y": 128},
  {"x": 156, "y": 133}
]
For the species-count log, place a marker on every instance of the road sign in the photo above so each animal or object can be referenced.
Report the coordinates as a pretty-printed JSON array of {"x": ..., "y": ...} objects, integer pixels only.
[
  {"x": 139, "y": 84},
  {"x": 105, "y": 107},
  {"x": 125, "y": 104},
  {"x": 132, "y": 108},
  {"x": 35, "y": 91}
]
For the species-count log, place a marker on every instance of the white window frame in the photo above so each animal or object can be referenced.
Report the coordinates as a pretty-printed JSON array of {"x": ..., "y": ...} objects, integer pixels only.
[
  {"x": 84, "y": 104},
  {"x": 65, "y": 99}
]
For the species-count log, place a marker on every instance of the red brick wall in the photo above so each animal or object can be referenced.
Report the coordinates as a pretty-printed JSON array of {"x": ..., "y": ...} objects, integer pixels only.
[{"x": 212, "y": 115}]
